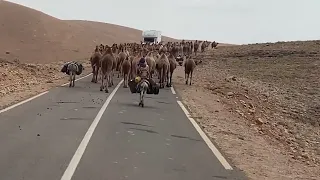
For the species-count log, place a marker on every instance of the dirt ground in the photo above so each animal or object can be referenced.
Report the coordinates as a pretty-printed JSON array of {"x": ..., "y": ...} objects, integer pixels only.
[
  {"x": 261, "y": 104},
  {"x": 19, "y": 81}
]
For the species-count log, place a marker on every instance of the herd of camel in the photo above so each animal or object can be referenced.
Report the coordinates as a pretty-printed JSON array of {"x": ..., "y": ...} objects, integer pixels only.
[{"x": 161, "y": 58}]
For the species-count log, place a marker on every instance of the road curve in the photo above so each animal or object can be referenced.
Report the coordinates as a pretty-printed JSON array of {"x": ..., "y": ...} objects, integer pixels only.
[{"x": 81, "y": 133}]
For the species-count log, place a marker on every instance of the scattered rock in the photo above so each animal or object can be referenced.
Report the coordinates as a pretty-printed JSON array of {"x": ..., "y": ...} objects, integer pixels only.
[
  {"x": 230, "y": 94},
  {"x": 7, "y": 52},
  {"x": 38, "y": 134},
  {"x": 233, "y": 78},
  {"x": 251, "y": 111},
  {"x": 241, "y": 137},
  {"x": 259, "y": 121},
  {"x": 305, "y": 155}
]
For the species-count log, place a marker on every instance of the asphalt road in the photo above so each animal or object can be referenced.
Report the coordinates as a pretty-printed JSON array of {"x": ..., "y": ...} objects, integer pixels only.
[{"x": 43, "y": 138}]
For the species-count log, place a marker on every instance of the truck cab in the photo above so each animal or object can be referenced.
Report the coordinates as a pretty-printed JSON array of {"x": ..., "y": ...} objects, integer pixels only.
[{"x": 151, "y": 36}]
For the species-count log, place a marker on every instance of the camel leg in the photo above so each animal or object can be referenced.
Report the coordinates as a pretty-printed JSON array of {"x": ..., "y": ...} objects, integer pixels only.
[
  {"x": 119, "y": 71},
  {"x": 167, "y": 77},
  {"x": 161, "y": 78},
  {"x": 102, "y": 84},
  {"x": 93, "y": 73},
  {"x": 96, "y": 75},
  {"x": 110, "y": 80},
  {"x": 127, "y": 80},
  {"x": 187, "y": 78},
  {"x": 171, "y": 79},
  {"x": 190, "y": 77},
  {"x": 107, "y": 82},
  {"x": 70, "y": 79},
  {"x": 124, "y": 80}
]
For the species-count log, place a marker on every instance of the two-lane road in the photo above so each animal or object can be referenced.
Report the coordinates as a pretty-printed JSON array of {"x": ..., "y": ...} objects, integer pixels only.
[{"x": 83, "y": 134}]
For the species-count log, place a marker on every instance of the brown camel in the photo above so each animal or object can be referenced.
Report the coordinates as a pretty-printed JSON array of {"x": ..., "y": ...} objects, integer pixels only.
[
  {"x": 121, "y": 57},
  {"x": 189, "y": 66},
  {"x": 106, "y": 69},
  {"x": 151, "y": 63},
  {"x": 95, "y": 64},
  {"x": 126, "y": 67},
  {"x": 172, "y": 67},
  {"x": 162, "y": 66},
  {"x": 196, "y": 47}
]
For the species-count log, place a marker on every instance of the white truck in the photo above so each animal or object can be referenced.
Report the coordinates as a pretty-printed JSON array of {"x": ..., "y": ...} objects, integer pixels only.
[{"x": 151, "y": 36}]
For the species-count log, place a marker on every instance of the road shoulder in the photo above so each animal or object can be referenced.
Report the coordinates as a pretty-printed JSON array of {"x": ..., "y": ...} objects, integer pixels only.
[{"x": 256, "y": 155}]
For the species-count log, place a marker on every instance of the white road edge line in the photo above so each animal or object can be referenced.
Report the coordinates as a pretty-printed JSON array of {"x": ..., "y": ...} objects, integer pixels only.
[
  {"x": 85, "y": 141},
  {"x": 77, "y": 79},
  {"x": 27, "y": 100},
  {"x": 22, "y": 102},
  {"x": 172, "y": 90},
  {"x": 215, "y": 151}
]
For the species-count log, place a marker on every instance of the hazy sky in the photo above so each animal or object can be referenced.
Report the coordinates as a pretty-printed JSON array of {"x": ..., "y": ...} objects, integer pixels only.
[{"x": 230, "y": 21}]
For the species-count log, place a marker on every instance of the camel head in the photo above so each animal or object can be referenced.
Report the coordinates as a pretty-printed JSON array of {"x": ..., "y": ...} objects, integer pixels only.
[
  {"x": 108, "y": 50},
  {"x": 96, "y": 49}
]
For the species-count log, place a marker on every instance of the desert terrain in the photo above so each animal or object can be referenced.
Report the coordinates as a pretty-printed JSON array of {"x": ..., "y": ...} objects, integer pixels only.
[
  {"x": 264, "y": 99},
  {"x": 34, "y": 46},
  {"x": 264, "y": 102}
]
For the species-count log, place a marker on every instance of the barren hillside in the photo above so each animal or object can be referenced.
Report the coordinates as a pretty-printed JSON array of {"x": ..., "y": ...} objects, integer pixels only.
[
  {"x": 264, "y": 106},
  {"x": 32, "y": 36}
]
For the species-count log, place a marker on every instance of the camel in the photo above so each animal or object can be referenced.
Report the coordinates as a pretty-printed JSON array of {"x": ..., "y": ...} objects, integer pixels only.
[
  {"x": 189, "y": 66},
  {"x": 214, "y": 44},
  {"x": 121, "y": 57},
  {"x": 172, "y": 67},
  {"x": 134, "y": 66},
  {"x": 115, "y": 61},
  {"x": 162, "y": 66},
  {"x": 106, "y": 69},
  {"x": 95, "y": 64},
  {"x": 196, "y": 46},
  {"x": 151, "y": 63},
  {"x": 131, "y": 61},
  {"x": 126, "y": 67}
]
